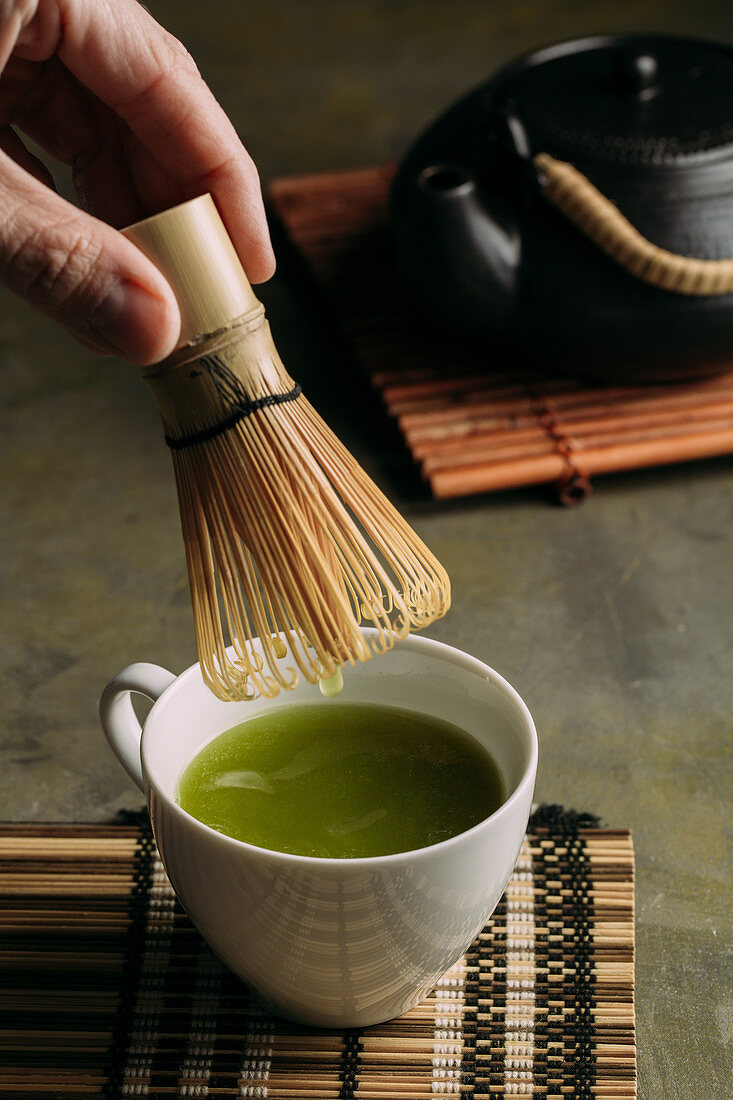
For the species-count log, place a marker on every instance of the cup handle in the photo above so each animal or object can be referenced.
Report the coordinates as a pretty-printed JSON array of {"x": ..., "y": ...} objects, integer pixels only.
[{"x": 119, "y": 721}]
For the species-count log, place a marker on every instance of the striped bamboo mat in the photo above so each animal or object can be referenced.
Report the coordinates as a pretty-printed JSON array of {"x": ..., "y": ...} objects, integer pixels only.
[
  {"x": 473, "y": 424},
  {"x": 107, "y": 990}
]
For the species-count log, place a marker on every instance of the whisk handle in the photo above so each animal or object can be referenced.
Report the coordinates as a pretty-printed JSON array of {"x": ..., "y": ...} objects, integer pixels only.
[
  {"x": 119, "y": 721},
  {"x": 191, "y": 247}
]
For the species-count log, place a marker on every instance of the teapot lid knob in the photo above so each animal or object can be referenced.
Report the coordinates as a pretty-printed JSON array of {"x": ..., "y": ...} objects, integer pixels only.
[{"x": 635, "y": 73}]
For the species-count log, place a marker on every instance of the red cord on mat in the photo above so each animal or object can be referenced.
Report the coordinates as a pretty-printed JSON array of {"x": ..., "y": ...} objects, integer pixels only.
[{"x": 573, "y": 486}]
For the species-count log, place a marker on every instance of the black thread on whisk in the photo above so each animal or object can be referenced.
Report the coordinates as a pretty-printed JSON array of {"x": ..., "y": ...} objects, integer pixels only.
[{"x": 232, "y": 391}]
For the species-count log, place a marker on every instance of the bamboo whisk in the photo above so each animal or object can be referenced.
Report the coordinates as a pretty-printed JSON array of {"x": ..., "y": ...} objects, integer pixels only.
[{"x": 287, "y": 540}]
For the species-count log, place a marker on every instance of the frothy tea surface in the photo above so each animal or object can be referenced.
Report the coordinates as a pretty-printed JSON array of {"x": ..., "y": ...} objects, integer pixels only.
[{"x": 341, "y": 780}]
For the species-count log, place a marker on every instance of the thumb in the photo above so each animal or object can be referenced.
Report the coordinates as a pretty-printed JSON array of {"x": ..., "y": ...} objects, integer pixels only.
[{"x": 82, "y": 273}]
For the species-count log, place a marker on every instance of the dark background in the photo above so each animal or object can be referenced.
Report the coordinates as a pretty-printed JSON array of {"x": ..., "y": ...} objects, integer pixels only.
[{"x": 611, "y": 619}]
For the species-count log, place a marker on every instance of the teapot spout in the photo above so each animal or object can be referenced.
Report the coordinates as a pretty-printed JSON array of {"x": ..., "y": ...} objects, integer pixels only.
[{"x": 460, "y": 246}]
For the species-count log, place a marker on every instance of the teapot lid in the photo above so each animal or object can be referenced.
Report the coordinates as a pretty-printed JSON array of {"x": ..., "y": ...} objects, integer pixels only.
[{"x": 642, "y": 100}]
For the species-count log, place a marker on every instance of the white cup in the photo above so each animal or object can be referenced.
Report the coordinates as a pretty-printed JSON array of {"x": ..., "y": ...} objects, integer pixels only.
[{"x": 332, "y": 942}]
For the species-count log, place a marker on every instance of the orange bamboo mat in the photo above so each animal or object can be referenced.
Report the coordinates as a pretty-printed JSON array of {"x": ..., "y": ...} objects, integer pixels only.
[
  {"x": 472, "y": 424},
  {"x": 106, "y": 990}
]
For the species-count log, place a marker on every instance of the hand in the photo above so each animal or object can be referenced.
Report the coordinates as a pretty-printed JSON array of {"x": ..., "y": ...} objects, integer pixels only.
[{"x": 100, "y": 86}]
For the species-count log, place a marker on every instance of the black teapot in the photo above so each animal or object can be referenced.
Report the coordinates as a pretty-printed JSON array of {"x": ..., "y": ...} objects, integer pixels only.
[{"x": 577, "y": 209}]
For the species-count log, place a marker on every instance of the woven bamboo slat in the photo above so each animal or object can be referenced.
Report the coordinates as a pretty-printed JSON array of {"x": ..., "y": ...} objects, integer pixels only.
[{"x": 106, "y": 989}]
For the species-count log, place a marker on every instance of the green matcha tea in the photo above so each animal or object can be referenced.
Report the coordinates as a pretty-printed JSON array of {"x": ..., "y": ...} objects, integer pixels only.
[{"x": 341, "y": 780}]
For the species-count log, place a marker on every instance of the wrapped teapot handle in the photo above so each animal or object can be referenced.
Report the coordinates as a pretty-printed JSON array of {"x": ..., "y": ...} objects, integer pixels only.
[{"x": 577, "y": 198}]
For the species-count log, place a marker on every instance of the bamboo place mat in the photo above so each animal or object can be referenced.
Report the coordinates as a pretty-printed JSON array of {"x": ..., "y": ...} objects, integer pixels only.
[
  {"x": 108, "y": 990},
  {"x": 474, "y": 425}
]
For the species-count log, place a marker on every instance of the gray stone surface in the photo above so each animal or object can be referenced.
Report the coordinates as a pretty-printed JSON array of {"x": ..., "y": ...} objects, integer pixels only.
[{"x": 612, "y": 619}]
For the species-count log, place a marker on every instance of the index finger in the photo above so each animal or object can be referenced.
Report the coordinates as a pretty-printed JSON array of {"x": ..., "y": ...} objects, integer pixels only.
[{"x": 118, "y": 51}]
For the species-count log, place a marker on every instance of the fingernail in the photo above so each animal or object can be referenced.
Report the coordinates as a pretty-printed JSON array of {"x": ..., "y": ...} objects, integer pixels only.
[{"x": 130, "y": 322}]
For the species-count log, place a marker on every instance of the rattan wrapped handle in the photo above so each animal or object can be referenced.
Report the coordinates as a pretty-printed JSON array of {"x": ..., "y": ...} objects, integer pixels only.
[{"x": 580, "y": 201}]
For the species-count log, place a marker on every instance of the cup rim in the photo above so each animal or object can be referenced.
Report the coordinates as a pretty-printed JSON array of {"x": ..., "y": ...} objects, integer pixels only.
[{"x": 420, "y": 643}]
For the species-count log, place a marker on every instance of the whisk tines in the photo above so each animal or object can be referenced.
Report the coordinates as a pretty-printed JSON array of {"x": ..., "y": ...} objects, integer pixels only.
[{"x": 289, "y": 544}]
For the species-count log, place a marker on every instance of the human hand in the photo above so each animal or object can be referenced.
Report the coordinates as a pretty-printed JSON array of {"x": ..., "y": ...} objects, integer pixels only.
[{"x": 102, "y": 87}]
